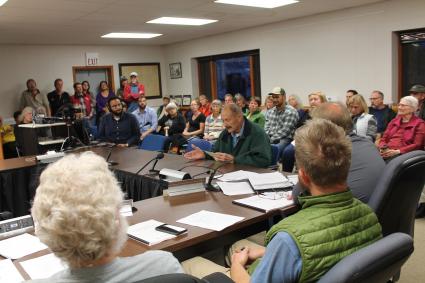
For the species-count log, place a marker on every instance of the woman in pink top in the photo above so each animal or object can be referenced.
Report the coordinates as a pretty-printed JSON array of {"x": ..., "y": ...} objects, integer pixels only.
[{"x": 404, "y": 133}]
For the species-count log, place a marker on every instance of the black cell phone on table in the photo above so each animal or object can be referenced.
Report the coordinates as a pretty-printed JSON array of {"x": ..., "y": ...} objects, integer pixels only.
[{"x": 170, "y": 229}]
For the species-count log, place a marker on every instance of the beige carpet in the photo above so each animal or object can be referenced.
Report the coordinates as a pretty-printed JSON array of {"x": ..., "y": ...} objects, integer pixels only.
[{"x": 413, "y": 270}]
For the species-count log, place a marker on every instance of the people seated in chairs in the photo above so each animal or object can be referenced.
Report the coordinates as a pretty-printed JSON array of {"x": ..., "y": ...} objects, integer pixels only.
[
  {"x": 195, "y": 125},
  {"x": 382, "y": 113},
  {"x": 8, "y": 140},
  {"x": 268, "y": 105},
  {"x": 161, "y": 109},
  {"x": 171, "y": 125},
  {"x": 58, "y": 97},
  {"x": 281, "y": 121},
  {"x": 366, "y": 163},
  {"x": 418, "y": 91},
  {"x": 242, "y": 141},
  {"x": 404, "y": 133},
  {"x": 295, "y": 102},
  {"x": 146, "y": 116},
  {"x": 229, "y": 99},
  {"x": 241, "y": 102},
  {"x": 77, "y": 214},
  {"x": 364, "y": 124},
  {"x": 214, "y": 123},
  {"x": 288, "y": 155},
  {"x": 330, "y": 225},
  {"x": 118, "y": 127},
  {"x": 205, "y": 107},
  {"x": 254, "y": 112}
]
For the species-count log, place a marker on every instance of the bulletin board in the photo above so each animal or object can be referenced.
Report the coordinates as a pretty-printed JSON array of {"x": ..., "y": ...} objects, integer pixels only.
[{"x": 149, "y": 74}]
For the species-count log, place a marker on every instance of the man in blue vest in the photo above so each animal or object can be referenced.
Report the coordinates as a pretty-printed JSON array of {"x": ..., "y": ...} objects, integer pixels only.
[{"x": 330, "y": 225}]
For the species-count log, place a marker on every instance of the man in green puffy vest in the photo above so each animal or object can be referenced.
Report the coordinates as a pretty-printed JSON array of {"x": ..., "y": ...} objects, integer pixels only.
[{"x": 330, "y": 225}]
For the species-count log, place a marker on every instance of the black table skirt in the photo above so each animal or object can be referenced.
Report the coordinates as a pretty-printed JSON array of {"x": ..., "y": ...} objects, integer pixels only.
[{"x": 17, "y": 187}]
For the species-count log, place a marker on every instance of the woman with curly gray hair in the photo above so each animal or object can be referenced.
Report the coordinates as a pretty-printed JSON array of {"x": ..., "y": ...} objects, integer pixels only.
[{"x": 76, "y": 214}]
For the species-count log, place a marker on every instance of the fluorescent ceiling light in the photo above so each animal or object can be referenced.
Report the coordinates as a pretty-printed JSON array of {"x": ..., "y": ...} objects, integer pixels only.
[
  {"x": 258, "y": 3},
  {"x": 2, "y": 2},
  {"x": 130, "y": 35},
  {"x": 181, "y": 21}
]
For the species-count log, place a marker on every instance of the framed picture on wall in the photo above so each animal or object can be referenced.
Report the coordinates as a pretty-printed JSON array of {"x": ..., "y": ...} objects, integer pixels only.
[
  {"x": 175, "y": 70},
  {"x": 187, "y": 99},
  {"x": 149, "y": 74}
]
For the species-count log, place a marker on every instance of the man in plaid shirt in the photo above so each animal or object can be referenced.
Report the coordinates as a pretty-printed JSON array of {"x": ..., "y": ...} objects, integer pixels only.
[{"x": 281, "y": 120}]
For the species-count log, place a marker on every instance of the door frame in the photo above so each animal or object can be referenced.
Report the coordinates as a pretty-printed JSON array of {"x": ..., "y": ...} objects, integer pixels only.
[{"x": 109, "y": 71}]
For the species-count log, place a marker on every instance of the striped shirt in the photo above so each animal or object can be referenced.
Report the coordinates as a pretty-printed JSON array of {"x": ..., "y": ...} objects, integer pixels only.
[
  {"x": 281, "y": 124},
  {"x": 213, "y": 126}
]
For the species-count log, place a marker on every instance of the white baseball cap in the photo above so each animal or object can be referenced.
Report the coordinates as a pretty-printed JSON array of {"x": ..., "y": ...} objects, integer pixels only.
[{"x": 133, "y": 74}]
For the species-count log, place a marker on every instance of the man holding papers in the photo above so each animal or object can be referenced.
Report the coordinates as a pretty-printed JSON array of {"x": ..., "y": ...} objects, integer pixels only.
[
  {"x": 330, "y": 225},
  {"x": 76, "y": 214},
  {"x": 242, "y": 141}
]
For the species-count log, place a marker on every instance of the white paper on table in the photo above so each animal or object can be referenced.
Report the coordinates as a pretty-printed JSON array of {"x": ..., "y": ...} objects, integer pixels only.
[
  {"x": 146, "y": 233},
  {"x": 210, "y": 220},
  {"x": 266, "y": 181},
  {"x": 126, "y": 210},
  {"x": 9, "y": 273},
  {"x": 235, "y": 188},
  {"x": 43, "y": 267},
  {"x": 293, "y": 179},
  {"x": 20, "y": 246},
  {"x": 266, "y": 202},
  {"x": 237, "y": 176}
]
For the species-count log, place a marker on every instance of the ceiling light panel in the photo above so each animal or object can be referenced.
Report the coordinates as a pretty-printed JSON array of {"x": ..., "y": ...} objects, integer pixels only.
[
  {"x": 130, "y": 35},
  {"x": 270, "y": 4},
  {"x": 181, "y": 21},
  {"x": 2, "y": 2}
]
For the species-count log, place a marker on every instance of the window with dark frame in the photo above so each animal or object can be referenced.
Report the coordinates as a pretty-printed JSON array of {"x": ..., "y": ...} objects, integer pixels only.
[{"x": 230, "y": 73}]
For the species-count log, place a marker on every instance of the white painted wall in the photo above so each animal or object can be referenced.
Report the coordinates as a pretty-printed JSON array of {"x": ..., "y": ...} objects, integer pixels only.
[
  {"x": 45, "y": 63},
  {"x": 332, "y": 52}
]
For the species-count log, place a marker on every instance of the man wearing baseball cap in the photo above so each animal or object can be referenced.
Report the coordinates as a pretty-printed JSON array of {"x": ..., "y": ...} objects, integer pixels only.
[
  {"x": 281, "y": 120},
  {"x": 418, "y": 91},
  {"x": 132, "y": 92}
]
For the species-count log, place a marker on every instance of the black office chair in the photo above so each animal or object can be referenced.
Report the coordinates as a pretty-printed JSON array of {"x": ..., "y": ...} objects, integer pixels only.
[
  {"x": 216, "y": 277},
  {"x": 396, "y": 196},
  {"x": 375, "y": 263}
]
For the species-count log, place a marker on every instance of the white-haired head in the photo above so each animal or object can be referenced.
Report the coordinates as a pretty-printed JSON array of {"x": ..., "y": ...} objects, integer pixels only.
[
  {"x": 411, "y": 101},
  {"x": 76, "y": 210}
]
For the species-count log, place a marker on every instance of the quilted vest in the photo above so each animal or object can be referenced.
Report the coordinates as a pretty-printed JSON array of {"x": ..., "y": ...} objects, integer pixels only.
[{"x": 327, "y": 229}]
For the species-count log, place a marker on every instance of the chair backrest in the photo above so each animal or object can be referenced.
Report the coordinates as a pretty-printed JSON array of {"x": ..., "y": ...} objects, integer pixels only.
[
  {"x": 153, "y": 142},
  {"x": 202, "y": 144},
  {"x": 397, "y": 193},
  {"x": 375, "y": 263},
  {"x": 275, "y": 154}
]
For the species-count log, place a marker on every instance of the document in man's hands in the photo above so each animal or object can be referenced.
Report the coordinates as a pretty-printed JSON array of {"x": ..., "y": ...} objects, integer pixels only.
[
  {"x": 266, "y": 202},
  {"x": 145, "y": 232},
  {"x": 210, "y": 220}
]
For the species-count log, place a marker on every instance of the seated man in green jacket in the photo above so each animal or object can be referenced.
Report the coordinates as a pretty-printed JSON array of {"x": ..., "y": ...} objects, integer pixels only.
[
  {"x": 330, "y": 225},
  {"x": 242, "y": 141}
]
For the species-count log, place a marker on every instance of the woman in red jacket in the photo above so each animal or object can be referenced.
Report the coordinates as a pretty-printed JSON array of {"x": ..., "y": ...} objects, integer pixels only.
[{"x": 404, "y": 133}]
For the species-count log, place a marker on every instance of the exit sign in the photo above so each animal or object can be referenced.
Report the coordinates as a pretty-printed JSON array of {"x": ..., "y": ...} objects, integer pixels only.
[{"x": 92, "y": 59}]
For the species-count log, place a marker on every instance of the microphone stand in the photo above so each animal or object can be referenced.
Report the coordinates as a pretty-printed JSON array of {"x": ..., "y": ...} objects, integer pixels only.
[
  {"x": 208, "y": 185},
  {"x": 156, "y": 158},
  {"x": 110, "y": 162}
]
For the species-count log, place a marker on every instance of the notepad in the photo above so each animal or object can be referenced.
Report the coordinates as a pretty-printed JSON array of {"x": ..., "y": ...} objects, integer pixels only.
[
  {"x": 36, "y": 267},
  {"x": 267, "y": 181},
  {"x": 210, "y": 220},
  {"x": 145, "y": 232},
  {"x": 235, "y": 188},
  {"x": 237, "y": 176},
  {"x": 264, "y": 203},
  {"x": 20, "y": 246},
  {"x": 9, "y": 273}
]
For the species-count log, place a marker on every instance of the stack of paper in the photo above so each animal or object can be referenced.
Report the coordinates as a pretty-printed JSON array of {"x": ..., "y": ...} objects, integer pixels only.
[
  {"x": 235, "y": 188},
  {"x": 264, "y": 203},
  {"x": 210, "y": 220},
  {"x": 36, "y": 267},
  {"x": 239, "y": 175},
  {"x": 9, "y": 273},
  {"x": 20, "y": 246},
  {"x": 268, "y": 181},
  {"x": 293, "y": 179},
  {"x": 145, "y": 232}
]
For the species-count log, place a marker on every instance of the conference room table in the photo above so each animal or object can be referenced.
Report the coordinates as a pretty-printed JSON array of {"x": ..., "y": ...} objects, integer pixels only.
[
  {"x": 197, "y": 240},
  {"x": 19, "y": 177}
]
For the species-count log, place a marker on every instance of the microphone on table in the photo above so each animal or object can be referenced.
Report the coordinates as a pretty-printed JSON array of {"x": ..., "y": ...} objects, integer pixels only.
[
  {"x": 159, "y": 156},
  {"x": 111, "y": 162}
]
